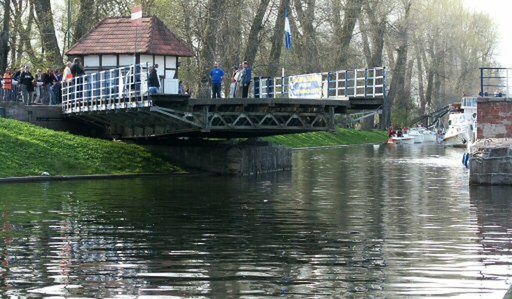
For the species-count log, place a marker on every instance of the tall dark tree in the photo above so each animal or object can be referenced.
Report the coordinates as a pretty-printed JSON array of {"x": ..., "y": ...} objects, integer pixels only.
[
  {"x": 343, "y": 31},
  {"x": 84, "y": 20},
  {"x": 4, "y": 36},
  {"x": 44, "y": 15},
  {"x": 257, "y": 25},
  {"x": 277, "y": 40}
]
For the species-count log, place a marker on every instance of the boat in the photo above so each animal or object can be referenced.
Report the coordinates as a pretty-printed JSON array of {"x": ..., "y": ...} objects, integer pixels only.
[
  {"x": 461, "y": 123},
  {"x": 412, "y": 136},
  {"x": 405, "y": 139},
  {"x": 422, "y": 135}
]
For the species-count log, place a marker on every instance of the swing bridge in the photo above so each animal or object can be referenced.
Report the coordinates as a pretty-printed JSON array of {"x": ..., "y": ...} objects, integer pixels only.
[{"x": 118, "y": 102}]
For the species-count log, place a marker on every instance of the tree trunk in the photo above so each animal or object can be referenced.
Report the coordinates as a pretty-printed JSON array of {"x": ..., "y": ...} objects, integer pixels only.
[
  {"x": 84, "y": 20},
  {"x": 366, "y": 43},
  {"x": 257, "y": 25},
  {"x": 4, "y": 36},
  {"x": 209, "y": 48},
  {"x": 46, "y": 28},
  {"x": 345, "y": 30},
  {"x": 310, "y": 50},
  {"x": 277, "y": 41},
  {"x": 397, "y": 92},
  {"x": 377, "y": 33}
]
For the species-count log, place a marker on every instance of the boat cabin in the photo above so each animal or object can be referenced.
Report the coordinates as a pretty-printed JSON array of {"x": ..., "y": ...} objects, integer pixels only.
[{"x": 118, "y": 42}]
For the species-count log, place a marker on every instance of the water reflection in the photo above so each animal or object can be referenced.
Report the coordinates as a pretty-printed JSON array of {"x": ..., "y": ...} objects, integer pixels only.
[{"x": 347, "y": 222}]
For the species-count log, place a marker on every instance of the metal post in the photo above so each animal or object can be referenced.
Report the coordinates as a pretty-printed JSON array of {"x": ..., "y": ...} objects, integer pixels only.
[
  {"x": 328, "y": 84},
  {"x": 346, "y": 84},
  {"x": 69, "y": 23},
  {"x": 336, "y": 91},
  {"x": 365, "y": 82},
  {"x": 268, "y": 86},
  {"x": 507, "y": 95},
  {"x": 481, "y": 81},
  {"x": 355, "y": 82}
]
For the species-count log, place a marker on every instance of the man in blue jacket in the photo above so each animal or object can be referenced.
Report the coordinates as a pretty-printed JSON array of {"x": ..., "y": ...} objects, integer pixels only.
[
  {"x": 246, "y": 80},
  {"x": 216, "y": 75}
]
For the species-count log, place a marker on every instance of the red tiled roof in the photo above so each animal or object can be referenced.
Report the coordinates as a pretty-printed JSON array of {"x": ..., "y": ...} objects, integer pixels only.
[{"x": 118, "y": 36}]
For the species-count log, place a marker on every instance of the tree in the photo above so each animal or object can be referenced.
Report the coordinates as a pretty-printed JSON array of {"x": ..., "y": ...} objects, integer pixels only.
[
  {"x": 44, "y": 14},
  {"x": 4, "y": 36}
]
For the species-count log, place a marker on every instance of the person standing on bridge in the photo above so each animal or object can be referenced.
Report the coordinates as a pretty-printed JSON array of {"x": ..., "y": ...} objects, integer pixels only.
[
  {"x": 246, "y": 79},
  {"x": 27, "y": 85},
  {"x": 216, "y": 76},
  {"x": 7, "y": 85},
  {"x": 77, "y": 71},
  {"x": 153, "y": 82}
]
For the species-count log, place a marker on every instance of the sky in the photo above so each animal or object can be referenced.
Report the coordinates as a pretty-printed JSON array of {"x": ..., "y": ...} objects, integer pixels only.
[{"x": 500, "y": 11}]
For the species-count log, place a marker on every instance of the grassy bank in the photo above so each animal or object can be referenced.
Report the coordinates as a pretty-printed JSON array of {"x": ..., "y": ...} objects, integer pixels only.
[
  {"x": 26, "y": 150},
  {"x": 340, "y": 137}
]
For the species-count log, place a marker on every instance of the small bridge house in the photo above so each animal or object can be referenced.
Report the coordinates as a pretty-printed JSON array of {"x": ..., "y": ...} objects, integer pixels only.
[{"x": 118, "y": 42}]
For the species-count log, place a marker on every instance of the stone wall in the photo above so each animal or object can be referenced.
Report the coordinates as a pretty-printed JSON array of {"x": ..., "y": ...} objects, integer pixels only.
[
  {"x": 230, "y": 159},
  {"x": 494, "y": 118},
  {"x": 50, "y": 117},
  {"x": 491, "y": 162}
]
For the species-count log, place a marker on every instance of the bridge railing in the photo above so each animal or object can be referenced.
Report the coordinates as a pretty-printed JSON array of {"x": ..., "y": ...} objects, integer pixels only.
[
  {"x": 358, "y": 83},
  {"x": 495, "y": 81},
  {"x": 120, "y": 88}
]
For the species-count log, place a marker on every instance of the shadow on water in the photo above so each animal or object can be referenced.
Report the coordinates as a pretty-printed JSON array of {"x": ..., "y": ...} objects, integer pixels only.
[{"x": 347, "y": 222}]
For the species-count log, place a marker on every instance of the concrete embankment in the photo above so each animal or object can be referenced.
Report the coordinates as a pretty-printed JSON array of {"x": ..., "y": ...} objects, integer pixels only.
[{"x": 491, "y": 155}]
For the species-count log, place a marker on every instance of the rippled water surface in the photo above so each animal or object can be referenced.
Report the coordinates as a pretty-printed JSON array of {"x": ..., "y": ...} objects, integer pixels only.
[{"x": 356, "y": 222}]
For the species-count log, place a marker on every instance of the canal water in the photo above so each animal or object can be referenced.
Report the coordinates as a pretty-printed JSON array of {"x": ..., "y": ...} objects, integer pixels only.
[{"x": 360, "y": 221}]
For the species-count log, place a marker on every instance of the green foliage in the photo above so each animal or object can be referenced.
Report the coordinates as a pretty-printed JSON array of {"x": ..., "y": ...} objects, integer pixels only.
[
  {"x": 30, "y": 150},
  {"x": 340, "y": 137}
]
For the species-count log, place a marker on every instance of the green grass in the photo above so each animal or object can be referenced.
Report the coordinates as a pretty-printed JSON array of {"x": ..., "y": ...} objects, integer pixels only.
[
  {"x": 26, "y": 150},
  {"x": 340, "y": 137}
]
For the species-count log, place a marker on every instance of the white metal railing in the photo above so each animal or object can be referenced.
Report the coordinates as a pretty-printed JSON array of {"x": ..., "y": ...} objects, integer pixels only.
[
  {"x": 358, "y": 83},
  {"x": 119, "y": 88}
]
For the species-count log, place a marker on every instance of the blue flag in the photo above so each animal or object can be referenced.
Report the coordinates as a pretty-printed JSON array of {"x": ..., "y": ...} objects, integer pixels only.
[{"x": 287, "y": 30}]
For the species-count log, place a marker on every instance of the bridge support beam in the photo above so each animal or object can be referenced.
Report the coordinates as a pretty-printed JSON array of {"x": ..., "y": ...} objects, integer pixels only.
[{"x": 226, "y": 158}]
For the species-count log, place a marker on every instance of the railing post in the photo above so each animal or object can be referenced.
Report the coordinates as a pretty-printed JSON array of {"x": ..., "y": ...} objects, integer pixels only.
[
  {"x": 256, "y": 87},
  {"x": 374, "y": 79},
  {"x": 337, "y": 82},
  {"x": 268, "y": 87},
  {"x": 282, "y": 86},
  {"x": 355, "y": 82},
  {"x": 328, "y": 84},
  {"x": 481, "y": 81},
  {"x": 346, "y": 83},
  {"x": 365, "y": 82}
]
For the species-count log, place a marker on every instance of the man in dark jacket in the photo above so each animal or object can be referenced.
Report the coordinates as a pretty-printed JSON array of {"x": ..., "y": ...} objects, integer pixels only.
[
  {"x": 26, "y": 81},
  {"x": 153, "y": 82},
  {"x": 246, "y": 79},
  {"x": 77, "y": 71}
]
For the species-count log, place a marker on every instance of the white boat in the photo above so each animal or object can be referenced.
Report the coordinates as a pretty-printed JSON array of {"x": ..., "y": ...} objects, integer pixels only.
[
  {"x": 461, "y": 123},
  {"x": 405, "y": 139},
  {"x": 422, "y": 135}
]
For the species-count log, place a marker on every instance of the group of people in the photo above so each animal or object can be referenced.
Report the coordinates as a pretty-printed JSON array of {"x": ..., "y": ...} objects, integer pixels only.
[
  {"x": 241, "y": 78},
  {"x": 43, "y": 88}
]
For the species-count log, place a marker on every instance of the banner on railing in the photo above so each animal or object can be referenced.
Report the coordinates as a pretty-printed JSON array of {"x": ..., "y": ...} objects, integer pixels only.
[{"x": 305, "y": 86}]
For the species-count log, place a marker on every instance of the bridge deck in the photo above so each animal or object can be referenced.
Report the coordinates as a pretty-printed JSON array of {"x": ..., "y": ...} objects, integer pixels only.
[{"x": 118, "y": 101}]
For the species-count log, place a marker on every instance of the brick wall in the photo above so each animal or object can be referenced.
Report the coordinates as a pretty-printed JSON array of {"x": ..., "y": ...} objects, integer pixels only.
[{"x": 494, "y": 118}]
